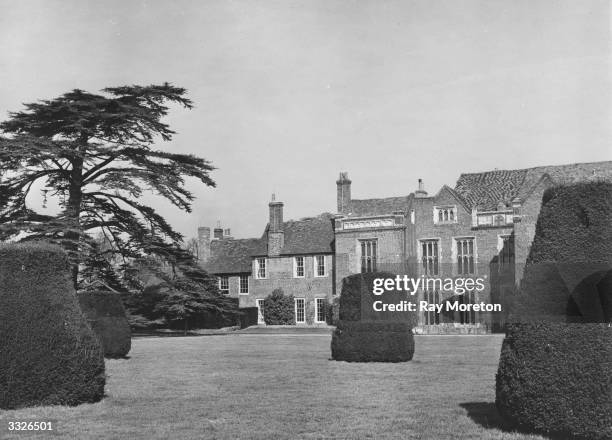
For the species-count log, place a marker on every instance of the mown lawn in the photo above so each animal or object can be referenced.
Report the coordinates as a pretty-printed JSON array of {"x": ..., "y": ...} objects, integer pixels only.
[{"x": 262, "y": 386}]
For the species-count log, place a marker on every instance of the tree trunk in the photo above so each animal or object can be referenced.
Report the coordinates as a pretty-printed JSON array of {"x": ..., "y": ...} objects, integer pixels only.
[
  {"x": 73, "y": 213},
  {"x": 185, "y": 332}
]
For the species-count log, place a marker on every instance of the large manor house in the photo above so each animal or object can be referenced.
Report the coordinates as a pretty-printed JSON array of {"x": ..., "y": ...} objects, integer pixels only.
[{"x": 483, "y": 227}]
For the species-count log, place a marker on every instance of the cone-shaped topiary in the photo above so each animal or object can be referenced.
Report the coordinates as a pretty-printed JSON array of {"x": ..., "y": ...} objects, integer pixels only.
[
  {"x": 555, "y": 370},
  {"x": 363, "y": 334},
  {"x": 556, "y": 378},
  {"x": 49, "y": 355},
  {"x": 107, "y": 318}
]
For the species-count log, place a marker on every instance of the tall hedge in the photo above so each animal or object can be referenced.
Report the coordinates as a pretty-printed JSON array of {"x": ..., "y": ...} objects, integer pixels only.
[
  {"x": 107, "y": 318},
  {"x": 49, "y": 355},
  {"x": 556, "y": 378},
  {"x": 362, "y": 334},
  {"x": 279, "y": 309},
  {"x": 555, "y": 370},
  {"x": 573, "y": 241}
]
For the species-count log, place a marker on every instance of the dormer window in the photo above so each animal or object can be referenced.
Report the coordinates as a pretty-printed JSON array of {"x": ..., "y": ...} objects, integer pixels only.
[{"x": 445, "y": 214}]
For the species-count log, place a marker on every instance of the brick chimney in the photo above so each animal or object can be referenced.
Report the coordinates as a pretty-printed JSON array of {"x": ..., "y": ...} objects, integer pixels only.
[
  {"x": 203, "y": 244},
  {"x": 420, "y": 192},
  {"x": 218, "y": 232},
  {"x": 343, "y": 185},
  {"x": 276, "y": 235}
]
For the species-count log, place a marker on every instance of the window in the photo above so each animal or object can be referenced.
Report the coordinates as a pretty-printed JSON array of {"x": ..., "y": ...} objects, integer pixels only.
[
  {"x": 260, "y": 268},
  {"x": 320, "y": 310},
  {"x": 368, "y": 255},
  {"x": 506, "y": 253},
  {"x": 300, "y": 312},
  {"x": 224, "y": 284},
  {"x": 445, "y": 214},
  {"x": 298, "y": 267},
  {"x": 319, "y": 266},
  {"x": 244, "y": 284},
  {"x": 468, "y": 316},
  {"x": 430, "y": 257},
  {"x": 465, "y": 256},
  {"x": 432, "y": 297}
]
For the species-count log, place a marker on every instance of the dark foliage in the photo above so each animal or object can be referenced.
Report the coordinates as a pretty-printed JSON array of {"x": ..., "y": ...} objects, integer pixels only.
[
  {"x": 571, "y": 251},
  {"x": 374, "y": 341},
  {"x": 557, "y": 379},
  {"x": 332, "y": 310},
  {"x": 106, "y": 316},
  {"x": 555, "y": 371},
  {"x": 248, "y": 317},
  {"x": 49, "y": 355},
  {"x": 94, "y": 153},
  {"x": 363, "y": 334},
  {"x": 180, "y": 295},
  {"x": 279, "y": 309}
]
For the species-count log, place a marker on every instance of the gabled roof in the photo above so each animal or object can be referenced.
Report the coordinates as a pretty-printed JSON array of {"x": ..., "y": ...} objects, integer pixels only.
[
  {"x": 308, "y": 235},
  {"x": 453, "y": 193},
  {"x": 487, "y": 189},
  {"x": 388, "y": 205},
  {"x": 311, "y": 235},
  {"x": 233, "y": 256}
]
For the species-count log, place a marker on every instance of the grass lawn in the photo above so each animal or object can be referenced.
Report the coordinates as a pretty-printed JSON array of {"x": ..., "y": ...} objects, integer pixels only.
[{"x": 261, "y": 386}]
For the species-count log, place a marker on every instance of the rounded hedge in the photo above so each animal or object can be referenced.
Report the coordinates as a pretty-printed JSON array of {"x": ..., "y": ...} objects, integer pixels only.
[
  {"x": 279, "y": 309},
  {"x": 372, "y": 342},
  {"x": 556, "y": 378},
  {"x": 106, "y": 316},
  {"x": 555, "y": 370},
  {"x": 571, "y": 248},
  {"x": 364, "y": 335},
  {"x": 50, "y": 356}
]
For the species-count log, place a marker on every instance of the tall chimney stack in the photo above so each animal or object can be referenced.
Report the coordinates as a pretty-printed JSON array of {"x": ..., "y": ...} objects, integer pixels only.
[
  {"x": 276, "y": 235},
  {"x": 203, "y": 244},
  {"x": 420, "y": 192},
  {"x": 343, "y": 186}
]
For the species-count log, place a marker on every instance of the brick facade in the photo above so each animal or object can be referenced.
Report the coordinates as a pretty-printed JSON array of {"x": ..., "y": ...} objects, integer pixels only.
[{"x": 488, "y": 218}]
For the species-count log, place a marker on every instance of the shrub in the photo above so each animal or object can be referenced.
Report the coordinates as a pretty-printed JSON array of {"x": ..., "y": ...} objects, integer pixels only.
[
  {"x": 332, "y": 310},
  {"x": 363, "y": 334},
  {"x": 279, "y": 309},
  {"x": 555, "y": 366},
  {"x": 555, "y": 378},
  {"x": 50, "y": 356},
  {"x": 106, "y": 316},
  {"x": 248, "y": 316},
  {"x": 572, "y": 243}
]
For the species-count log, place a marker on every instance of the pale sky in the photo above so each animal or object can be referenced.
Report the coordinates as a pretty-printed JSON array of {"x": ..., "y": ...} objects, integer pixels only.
[{"x": 289, "y": 93}]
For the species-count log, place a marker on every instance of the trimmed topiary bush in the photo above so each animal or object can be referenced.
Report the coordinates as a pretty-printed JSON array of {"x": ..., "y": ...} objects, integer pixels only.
[
  {"x": 248, "y": 316},
  {"x": 50, "y": 356},
  {"x": 279, "y": 309},
  {"x": 555, "y": 370},
  {"x": 107, "y": 318},
  {"x": 363, "y": 334},
  {"x": 556, "y": 378}
]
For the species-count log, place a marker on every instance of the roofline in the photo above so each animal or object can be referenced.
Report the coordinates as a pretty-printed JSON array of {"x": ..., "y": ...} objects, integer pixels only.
[
  {"x": 455, "y": 195},
  {"x": 296, "y": 254},
  {"x": 535, "y": 185},
  {"x": 539, "y": 166}
]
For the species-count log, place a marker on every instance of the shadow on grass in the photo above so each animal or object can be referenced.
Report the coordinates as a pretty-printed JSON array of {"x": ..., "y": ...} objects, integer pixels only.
[{"x": 485, "y": 414}]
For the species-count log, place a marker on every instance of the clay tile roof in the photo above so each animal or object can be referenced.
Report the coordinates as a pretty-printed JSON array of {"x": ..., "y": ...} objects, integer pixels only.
[
  {"x": 487, "y": 189},
  {"x": 309, "y": 235},
  {"x": 233, "y": 256},
  {"x": 387, "y": 205}
]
